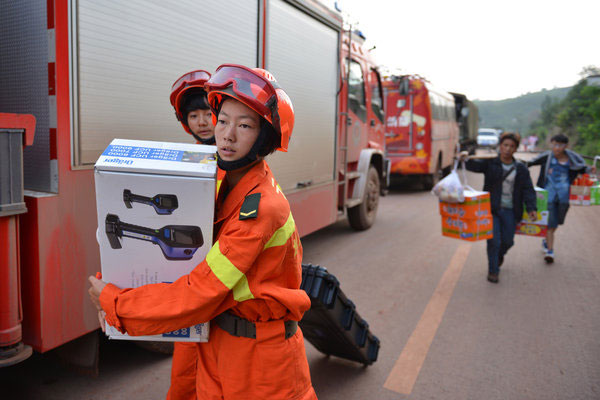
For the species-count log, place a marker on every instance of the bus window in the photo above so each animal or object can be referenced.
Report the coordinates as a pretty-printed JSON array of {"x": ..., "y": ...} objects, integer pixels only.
[
  {"x": 356, "y": 91},
  {"x": 376, "y": 98},
  {"x": 435, "y": 107}
]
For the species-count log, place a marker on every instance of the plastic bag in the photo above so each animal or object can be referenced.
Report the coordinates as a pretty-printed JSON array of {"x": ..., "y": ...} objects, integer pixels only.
[{"x": 450, "y": 189}]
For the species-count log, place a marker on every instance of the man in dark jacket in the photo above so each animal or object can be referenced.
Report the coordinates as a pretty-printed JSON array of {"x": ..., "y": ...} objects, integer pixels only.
[
  {"x": 509, "y": 184},
  {"x": 560, "y": 167}
]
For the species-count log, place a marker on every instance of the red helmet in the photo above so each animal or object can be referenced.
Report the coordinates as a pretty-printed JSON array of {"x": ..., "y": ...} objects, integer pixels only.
[
  {"x": 257, "y": 89},
  {"x": 192, "y": 80}
]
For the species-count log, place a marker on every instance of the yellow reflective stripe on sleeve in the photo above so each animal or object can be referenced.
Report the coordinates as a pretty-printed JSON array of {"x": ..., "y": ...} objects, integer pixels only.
[
  {"x": 228, "y": 274},
  {"x": 219, "y": 185},
  {"x": 282, "y": 234}
]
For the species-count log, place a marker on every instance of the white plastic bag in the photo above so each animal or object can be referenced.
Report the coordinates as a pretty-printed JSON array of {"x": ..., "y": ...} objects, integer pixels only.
[{"x": 450, "y": 189}]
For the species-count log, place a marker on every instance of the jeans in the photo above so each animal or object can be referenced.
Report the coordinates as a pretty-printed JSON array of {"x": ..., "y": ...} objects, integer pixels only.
[
  {"x": 504, "y": 235},
  {"x": 557, "y": 213}
]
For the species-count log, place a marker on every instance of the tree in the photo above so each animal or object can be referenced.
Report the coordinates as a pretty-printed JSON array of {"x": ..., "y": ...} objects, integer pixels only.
[
  {"x": 543, "y": 127},
  {"x": 589, "y": 70},
  {"x": 589, "y": 123},
  {"x": 577, "y": 116}
]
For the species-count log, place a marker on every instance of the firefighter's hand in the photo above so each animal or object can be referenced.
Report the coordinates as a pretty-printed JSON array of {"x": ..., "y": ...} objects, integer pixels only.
[
  {"x": 463, "y": 155},
  {"x": 532, "y": 215},
  {"x": 102, "y": 320},
  {"x": 94, "y": 291}
]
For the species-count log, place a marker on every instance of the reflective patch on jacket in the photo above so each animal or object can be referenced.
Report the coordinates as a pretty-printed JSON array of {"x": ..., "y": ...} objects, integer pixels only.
[
  {"x": 250, "y": 206},
  {"x": 281, "y": 235},
  {"x": 228, "y": 274}
]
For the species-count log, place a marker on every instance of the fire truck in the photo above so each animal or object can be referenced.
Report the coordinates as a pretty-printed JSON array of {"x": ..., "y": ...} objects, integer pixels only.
[
  {"x": 92, "y": 71},
  {"x": 421, "y": 128}
]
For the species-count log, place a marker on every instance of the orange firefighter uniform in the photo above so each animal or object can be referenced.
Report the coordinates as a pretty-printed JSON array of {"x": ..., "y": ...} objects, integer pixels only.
[
  {"x": 253, "y": 270},
  {"x": 183, "y": 372},
  {"x": 185, "y": 354},
  {"x": 183, "y": 366}
]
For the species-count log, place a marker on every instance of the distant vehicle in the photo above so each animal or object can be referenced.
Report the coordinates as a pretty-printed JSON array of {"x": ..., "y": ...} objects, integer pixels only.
[
  {"x": 488, "y": 138},
  {"x": 467, "y": 116},
  {"x": 421, "y": 128}
]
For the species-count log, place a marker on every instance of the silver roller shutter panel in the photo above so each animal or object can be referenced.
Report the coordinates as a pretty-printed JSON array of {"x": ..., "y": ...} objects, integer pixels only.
[
  {"x": 302, "y": 54},
  {"x": 130, "y": 53},
  {"x": 24, "y": 81}
]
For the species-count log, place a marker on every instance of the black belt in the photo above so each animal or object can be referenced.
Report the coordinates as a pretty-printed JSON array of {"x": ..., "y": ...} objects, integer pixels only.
[{"x": 240, "y": 327}]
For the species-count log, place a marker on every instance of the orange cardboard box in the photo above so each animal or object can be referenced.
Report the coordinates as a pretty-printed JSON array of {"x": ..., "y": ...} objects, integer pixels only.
[
  {"x": 469, "y": 225},
  {"x": 470, "y": 220},
  {"x": 468, "y": 228},
  {"x": 476, "y": 205},
  {"x": 471, "y": 237}
]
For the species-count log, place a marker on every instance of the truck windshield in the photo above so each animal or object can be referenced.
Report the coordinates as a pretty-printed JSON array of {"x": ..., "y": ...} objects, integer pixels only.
[{"x": 356, "y": 91}]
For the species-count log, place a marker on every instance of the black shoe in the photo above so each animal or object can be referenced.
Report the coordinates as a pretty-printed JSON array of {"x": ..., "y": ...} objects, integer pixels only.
[
  {"x": 500, "y": 260},
  {"x": 493, "y": 278}
]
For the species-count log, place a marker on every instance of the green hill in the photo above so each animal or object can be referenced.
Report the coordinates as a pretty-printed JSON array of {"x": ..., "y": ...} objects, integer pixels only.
[{"x": 515, "y": 114}]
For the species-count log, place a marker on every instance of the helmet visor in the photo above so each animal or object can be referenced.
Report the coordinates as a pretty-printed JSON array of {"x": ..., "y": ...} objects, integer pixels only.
[
  {"x": 256, "y": 90},
  {"x": 197, "y": 78},
  {"x": 190, "y": 77}
]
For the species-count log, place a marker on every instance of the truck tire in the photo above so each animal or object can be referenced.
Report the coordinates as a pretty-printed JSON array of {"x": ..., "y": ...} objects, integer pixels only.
[{"x": 362, "y": 216}]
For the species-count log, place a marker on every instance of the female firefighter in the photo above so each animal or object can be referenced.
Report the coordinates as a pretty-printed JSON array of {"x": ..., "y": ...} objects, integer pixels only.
[
  {"x": 189, "y": 100},
  {"x": 249, "y": 284}
]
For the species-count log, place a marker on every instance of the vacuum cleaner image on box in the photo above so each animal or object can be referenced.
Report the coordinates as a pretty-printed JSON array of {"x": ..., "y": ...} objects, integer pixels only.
[
  {"x": 177, "y": 242},
  {"x": 163, "y": 204},
  {"x": 332, "y": 324}
]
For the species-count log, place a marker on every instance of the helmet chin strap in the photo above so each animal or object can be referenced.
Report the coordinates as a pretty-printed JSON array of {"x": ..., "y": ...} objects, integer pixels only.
[
  {"x": 209, "y": 141},
  {"x": 249, "y": 158}
]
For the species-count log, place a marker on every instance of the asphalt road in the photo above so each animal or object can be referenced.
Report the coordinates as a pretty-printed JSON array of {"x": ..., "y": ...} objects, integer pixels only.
[{"x": 446, "y": 333}]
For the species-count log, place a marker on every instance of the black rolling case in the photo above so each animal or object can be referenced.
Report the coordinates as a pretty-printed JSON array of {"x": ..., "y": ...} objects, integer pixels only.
[{"x": 332, "y": 324}]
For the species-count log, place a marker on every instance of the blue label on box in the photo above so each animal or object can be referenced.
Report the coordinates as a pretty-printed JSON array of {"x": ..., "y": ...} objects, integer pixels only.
[
  {"x": 150, "y": 153},
  {"x": 185, "y": 332}
]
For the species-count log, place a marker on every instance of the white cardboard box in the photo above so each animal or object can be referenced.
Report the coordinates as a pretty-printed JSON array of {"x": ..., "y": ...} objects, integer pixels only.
[{"x": 155, "y": 204}]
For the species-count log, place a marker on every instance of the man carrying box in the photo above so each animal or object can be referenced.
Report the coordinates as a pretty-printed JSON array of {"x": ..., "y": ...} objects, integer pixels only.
[
  {"x": 509, "y": 184},
  {"x": 560, "y": 167}
]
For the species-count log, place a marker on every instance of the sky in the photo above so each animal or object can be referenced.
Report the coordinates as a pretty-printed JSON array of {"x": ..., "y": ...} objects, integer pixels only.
[{"x": 488, "y": 50}]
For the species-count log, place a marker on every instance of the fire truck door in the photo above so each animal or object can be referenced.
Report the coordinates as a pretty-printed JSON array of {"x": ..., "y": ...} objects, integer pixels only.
[
  {"x": 307, "y": 66},
  {"x": 357, "y": 110},
  {"x": 376, "y": 115}
]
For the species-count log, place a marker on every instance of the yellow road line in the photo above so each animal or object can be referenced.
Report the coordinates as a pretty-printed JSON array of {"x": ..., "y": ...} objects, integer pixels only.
[{"x": 406, "y": 370}]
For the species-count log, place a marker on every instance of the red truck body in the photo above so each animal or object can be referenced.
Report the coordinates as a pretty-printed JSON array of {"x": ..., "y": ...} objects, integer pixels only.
[
  {"x": 421, "y": 128},
  {"x": 57, "y": 245}
]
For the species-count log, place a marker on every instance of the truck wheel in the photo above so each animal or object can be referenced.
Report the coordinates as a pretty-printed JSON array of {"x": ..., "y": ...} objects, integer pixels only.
[
  {"x": 156, "y": 347},
  {"x": 362, "y": 216}
]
